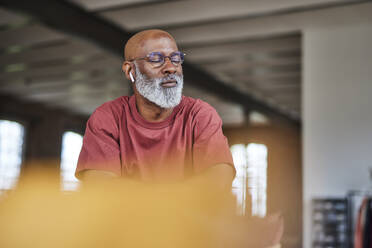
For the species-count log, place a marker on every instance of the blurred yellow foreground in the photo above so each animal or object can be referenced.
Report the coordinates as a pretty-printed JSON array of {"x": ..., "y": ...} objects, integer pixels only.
[{"x": 121, "y": 213}]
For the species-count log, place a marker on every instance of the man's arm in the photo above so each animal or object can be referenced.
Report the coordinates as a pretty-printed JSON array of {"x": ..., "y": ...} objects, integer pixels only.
[
  {"x": 100, "y": 152},
  {"x": 94, "y": 175},
  {"x": 212, "y": 158},
  {"x": 220, "y": 175}
]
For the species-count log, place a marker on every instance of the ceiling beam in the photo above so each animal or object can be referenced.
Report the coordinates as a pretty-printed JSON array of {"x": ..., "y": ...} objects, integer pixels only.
[
  {"x": 62, "y": 49},
  {"x": 98, "y": 63},
  {"x": 70, "y": 18},
  {"x": 242, "y": 49},
  {"x": 109, "y": 5},
  {"x": 31, "y": 34},
  {"x": 7, "y": 18},
  {"x": 271, "y": 25},
  {"x": 20, "y": 84},
  {"x": 251, "y": 64},
  {"x": 180, "y": 13}
]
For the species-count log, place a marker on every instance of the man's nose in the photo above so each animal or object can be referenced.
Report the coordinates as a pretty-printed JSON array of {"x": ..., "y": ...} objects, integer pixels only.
[{"x": 169, "y": 67}]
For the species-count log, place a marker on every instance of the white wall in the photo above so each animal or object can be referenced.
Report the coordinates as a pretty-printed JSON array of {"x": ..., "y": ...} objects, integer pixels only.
[{"x": 337, "y": 113}]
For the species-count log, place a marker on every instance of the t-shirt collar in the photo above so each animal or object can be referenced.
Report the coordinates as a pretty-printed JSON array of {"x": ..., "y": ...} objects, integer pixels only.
[{"x": 152, "y": 125}]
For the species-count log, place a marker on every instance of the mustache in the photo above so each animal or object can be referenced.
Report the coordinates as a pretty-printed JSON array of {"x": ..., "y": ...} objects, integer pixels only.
[{"x": 170, "y": 77}]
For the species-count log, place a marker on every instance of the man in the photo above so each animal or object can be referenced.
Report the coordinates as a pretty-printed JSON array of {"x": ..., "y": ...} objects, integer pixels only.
[{"x": 155, "y": 134}]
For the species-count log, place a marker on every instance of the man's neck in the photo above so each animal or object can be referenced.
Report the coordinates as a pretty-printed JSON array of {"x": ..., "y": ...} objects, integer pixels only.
[{"x": 150, "y": 111}]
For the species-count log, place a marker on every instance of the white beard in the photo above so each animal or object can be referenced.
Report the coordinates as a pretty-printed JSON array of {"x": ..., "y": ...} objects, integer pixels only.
[{"x": 152, "y": 90}]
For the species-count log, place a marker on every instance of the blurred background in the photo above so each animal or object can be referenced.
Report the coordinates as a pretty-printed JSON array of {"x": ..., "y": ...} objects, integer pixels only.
[{"x": 291, "y": 80}]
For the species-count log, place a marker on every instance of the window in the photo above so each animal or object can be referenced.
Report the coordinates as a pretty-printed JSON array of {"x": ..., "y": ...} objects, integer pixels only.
[
  {"x": 71, "y": 146},
  {"x": 11, "y": 143},
  {"x": 251, "y": 177},
  {"x": 239, "y": 184}
]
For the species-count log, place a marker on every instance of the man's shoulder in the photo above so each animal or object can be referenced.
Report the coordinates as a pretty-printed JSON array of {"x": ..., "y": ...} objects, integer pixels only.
[
  {"x": 114, "y": 106},
  {"x": 198, "y": 106},
  {"x": 111, "y": 110}
]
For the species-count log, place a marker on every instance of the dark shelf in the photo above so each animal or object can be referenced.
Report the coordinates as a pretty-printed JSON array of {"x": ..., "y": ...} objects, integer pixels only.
[{"x": 330, "y": 223}]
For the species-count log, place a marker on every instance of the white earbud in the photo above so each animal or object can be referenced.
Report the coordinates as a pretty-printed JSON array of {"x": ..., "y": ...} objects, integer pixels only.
[{"x": 131, "y": 77}]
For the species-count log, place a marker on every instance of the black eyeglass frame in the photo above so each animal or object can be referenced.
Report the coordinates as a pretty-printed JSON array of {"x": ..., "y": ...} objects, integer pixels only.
[{"x": 163, "y": 57}]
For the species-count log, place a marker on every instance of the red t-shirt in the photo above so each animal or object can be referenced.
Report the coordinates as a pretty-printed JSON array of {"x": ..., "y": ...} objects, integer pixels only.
[{"x": 120, "y": 140}]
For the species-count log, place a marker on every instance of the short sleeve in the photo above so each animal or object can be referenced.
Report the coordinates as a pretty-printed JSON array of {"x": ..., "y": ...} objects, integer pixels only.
[
  {"x": 210, "y": 145},
  {"x": 100, "y": 149}
]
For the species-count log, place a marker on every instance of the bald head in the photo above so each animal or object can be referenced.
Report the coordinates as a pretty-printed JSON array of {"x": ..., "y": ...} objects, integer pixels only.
[{"x": 138, "y": 43}]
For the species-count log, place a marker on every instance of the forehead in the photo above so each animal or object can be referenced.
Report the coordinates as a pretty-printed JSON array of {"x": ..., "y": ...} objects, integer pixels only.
[{"x": 162, "y": 44}]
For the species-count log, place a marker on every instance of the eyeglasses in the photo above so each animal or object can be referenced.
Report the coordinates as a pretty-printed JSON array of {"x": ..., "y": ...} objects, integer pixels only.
[{"x": 157, "y": 59}]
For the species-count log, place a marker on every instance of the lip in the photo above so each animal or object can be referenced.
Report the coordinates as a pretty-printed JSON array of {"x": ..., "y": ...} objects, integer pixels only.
[{"x": 169, "y": 84}]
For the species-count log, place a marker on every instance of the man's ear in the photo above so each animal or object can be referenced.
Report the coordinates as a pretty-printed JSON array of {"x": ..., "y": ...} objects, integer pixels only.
[{"x": 128, "y": 70}]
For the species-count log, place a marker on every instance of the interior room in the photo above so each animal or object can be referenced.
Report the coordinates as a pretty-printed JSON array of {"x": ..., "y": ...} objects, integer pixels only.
[{"x": 290, "y": 80}]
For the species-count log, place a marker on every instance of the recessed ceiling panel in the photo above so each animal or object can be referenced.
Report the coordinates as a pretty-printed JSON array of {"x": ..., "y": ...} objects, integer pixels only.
[
  {"x": 96, "y": 5},
  {"x": 11, "y": 19},
  {"x": 194, "y": 11},
  {"x": 28, "y": 35}
]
